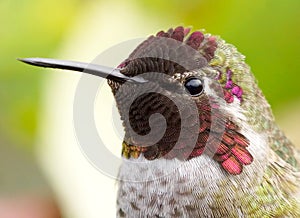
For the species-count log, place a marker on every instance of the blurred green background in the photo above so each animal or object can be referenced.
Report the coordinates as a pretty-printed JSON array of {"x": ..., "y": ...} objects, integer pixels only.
[
  {"x": 265, "y": 31},
  {"x": 28, "y": 28}
]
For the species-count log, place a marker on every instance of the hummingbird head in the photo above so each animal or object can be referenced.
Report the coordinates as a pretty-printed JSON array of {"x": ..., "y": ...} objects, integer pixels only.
[
  {"x": 187, "y": 106},
  {"x": 182, "y": 95}
]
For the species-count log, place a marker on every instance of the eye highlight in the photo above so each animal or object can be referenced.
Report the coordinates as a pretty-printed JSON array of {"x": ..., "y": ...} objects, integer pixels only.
[{"x": 194, "y": 86}]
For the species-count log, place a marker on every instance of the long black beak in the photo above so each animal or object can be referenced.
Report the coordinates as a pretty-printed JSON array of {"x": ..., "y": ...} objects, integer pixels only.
[{"x": 93, "y": 69}]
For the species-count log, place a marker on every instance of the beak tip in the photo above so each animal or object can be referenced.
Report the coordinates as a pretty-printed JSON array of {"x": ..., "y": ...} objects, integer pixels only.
[
  {"x": 40, "y": 62},
  {"x": 26, "y": 60},
  {"x": 20, "y": 59}
]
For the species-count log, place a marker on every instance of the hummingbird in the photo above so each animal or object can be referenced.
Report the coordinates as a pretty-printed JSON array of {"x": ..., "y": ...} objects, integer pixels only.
[{"x": 217, "y": 151}]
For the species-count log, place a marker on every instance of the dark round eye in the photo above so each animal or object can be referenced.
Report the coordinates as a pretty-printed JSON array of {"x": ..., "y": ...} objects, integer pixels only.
[{"x": 194, "y": 86}]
